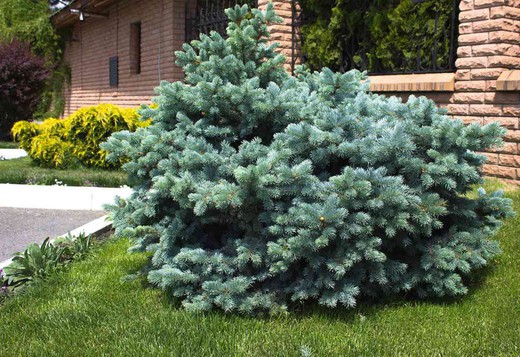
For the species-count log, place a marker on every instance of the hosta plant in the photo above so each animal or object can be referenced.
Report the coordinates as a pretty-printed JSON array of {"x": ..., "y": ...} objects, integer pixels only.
[
  {"x": 38, "y": 262},
  {"x": 34, "y": 264}
]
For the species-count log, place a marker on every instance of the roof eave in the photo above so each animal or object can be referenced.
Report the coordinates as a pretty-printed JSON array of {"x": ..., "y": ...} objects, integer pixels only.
[{"x": 64, "y": 18}]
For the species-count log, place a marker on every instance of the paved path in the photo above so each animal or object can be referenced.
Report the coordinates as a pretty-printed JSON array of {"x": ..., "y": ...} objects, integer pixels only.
[
  {"x": 8, "y": 154},
  {"x": 31, "y": 213},
  {"x": 20, "y": 226}
]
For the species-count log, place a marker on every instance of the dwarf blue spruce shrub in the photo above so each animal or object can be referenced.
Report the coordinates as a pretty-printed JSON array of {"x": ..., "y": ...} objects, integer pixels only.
[{"x": 256, "y": 189}]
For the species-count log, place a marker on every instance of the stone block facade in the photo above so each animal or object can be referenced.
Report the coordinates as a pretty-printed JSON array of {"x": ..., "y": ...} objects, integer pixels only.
[
  {"x": 489, "y": 44},
  {"x": 488, "y": 47}
]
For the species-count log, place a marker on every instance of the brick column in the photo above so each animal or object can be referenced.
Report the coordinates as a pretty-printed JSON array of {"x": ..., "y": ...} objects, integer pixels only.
[
  {"x": 489, "y": 43},
  {"x": 283, "y": 32}
]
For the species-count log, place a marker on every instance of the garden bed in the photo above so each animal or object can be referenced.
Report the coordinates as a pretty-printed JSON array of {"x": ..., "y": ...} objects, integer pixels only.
[
  {"x": 25, "y": 171},
  {"x": 89, "y": 311}
]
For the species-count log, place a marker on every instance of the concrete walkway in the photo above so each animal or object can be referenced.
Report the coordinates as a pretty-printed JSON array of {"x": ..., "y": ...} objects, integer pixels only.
[
  {"x": 59, "y": 197},
  {"x": 20, "y": 227},
  {"x": 8, "y": 154},
  {"x": 29, "y": 213}
]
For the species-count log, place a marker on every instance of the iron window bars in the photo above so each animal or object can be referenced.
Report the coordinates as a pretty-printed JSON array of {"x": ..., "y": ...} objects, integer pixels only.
[
  {"x": 356, "y": 50},
  {"x": 204, "y": 16}
]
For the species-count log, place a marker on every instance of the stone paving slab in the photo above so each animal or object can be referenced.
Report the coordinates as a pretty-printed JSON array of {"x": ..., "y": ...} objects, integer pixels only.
[
  {"x": 21, "y": 226},
  {"x": 9, "y": 154}
]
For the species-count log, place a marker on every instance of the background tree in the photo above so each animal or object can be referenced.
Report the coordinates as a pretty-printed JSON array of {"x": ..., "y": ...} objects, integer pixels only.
[
  {"x": 28, "y": 21},
  {"x": 22, "y": 79}
]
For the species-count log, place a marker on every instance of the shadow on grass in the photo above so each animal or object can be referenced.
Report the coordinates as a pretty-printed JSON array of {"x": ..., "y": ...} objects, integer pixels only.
[{"x": 368, "y": 306}]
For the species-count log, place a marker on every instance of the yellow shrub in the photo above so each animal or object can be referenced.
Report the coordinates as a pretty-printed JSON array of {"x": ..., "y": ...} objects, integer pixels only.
[
  {"x": 56, "y": 127},
  {"x": 78, "y": 136},
  {"x": 23, "y": 132},
  {"x": 50, "y": 151}
]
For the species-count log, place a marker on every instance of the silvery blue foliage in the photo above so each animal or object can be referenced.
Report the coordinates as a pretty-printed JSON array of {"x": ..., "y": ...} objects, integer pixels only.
[{"x": 256, "y": 189}]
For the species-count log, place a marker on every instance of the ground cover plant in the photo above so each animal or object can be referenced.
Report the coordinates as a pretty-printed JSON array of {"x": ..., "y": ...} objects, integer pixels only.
[
  {"x": 40, "y": 261},
  {"x": 89, "y": 311},
  {"x": 25, "y": 171},
  {"x": 256, "y": 190},
  {"x": 74, "y": 141}
]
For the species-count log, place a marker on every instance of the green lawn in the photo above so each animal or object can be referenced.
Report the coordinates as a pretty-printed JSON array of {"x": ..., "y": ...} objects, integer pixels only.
[
  {"x": 88, "y": 311},
  {"x": 8, "y": 145},
  {"x": 24, "y": 171}
]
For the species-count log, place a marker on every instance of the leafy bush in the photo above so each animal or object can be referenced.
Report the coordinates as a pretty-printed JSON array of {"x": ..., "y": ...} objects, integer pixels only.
[
  {"x": 255, "y": 189},
  {"x": 51, "y": 151},
  {"x": 24, "y": 132},
  {"x": 75, "y": 140},
  {"x": 376, "y": 35},
  {"x": 37, "y": 262},
  {"x": 22, "y": 79}
]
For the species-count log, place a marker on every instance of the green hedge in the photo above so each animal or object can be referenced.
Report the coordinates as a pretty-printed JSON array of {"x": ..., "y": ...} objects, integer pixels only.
[{"x": 391, "y": 32}]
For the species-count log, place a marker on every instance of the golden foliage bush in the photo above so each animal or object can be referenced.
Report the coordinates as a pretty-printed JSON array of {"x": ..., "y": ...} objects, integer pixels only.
[
  {"x": 23, "y": 132},
  {"x": 51, "y": 151},
  {"x": 73, "y": 141}
]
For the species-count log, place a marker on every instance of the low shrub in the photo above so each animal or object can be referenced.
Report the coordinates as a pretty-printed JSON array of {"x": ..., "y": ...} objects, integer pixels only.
[
  {"x": 51, "y": 151},
  {"x": 24, "y": 132},
  {"x": 75, "y": 140},
  {"x": 37, "y": 262},
  {"x": 257, "y": 190}
]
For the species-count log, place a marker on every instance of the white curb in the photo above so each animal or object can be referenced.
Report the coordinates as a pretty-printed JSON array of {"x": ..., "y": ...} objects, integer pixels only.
[
  {"x": 95, "y": 227},
  {"x": 59, "y": 197},
  {"x": 9, "y": 154}
]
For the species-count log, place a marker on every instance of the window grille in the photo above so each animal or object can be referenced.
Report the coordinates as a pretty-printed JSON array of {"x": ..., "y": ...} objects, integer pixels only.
[{"x": 208, "y": 15}]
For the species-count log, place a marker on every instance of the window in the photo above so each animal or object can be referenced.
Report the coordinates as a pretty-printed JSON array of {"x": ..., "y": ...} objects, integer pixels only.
[
  {"x": 135, "y": 48},
  {"x": 113, "y": 65}
]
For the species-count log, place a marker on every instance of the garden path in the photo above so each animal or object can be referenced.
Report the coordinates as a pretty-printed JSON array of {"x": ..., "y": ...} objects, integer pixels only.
[
  {"x": 31, "y": 213},
  {"x": 20, "y": 227}
]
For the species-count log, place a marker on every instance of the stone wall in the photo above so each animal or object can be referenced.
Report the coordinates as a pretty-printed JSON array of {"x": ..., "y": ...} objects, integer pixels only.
[{"x": 489, "y": 45}]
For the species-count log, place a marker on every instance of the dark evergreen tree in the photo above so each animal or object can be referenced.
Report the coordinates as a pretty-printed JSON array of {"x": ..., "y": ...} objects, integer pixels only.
[{"x": 255, "y": 189}]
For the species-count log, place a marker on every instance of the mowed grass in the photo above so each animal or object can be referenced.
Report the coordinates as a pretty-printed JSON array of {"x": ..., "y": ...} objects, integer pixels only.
[
  {"x": 8, "y": 145},
  {"x": 89, "y": 311},
  {"x": 25, "y": 171}
]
